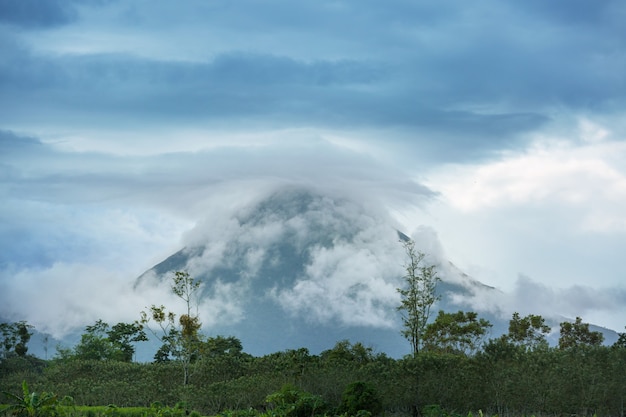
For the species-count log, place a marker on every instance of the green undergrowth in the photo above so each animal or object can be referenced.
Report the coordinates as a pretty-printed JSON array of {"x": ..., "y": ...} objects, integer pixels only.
[{"x": 155, "y": 410}]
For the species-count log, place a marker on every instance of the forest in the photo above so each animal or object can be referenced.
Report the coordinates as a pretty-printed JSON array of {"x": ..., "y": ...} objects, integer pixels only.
[{"x": 454, "y": 369}]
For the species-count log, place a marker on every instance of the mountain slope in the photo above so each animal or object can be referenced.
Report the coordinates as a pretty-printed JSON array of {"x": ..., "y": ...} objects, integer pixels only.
[{"x": 303, "y": 269}]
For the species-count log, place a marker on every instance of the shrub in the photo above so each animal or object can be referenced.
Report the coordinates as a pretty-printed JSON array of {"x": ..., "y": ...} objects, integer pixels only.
[
  {"x": 293, "y": 402},
  {"x": 358, "y": 397},
  {"x": 250, "y": 412},
  {"x": 433, "y": 410}
]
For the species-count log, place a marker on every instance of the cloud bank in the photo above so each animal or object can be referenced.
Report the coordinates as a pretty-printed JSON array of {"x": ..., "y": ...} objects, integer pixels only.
[{"x": 132, "y": 129}]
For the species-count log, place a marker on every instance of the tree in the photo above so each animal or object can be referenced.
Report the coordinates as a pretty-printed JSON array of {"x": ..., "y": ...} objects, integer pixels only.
[
  {"x": 123, "y": 335},
  {"x": 529, "y": 331},
  {"x": 181, "y": 339},
  {"x": 102, "y": 342},
  {"x": 459, "y": 332},
  {"x": 621, "y": 341},
  {"x": 345, "y": 351},
  {"x": 15, "y": 338},
  {"x": 418, "y": 296},
  {"x": 94, "y": 344},
  {"x": 578, "y": 334},
  {"x": 222, "y": 346}
]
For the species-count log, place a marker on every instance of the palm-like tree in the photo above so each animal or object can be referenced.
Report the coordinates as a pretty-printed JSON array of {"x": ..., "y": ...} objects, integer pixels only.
[{"x": 30, "y": 404}]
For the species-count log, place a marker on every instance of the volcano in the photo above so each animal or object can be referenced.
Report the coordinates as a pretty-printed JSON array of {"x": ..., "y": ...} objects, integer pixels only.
[{"x": 301, "y": 268}]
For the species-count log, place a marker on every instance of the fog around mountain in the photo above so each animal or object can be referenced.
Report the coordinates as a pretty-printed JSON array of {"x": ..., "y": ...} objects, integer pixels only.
[
  {"x": 491, "y": 132},
  {"x": 306, "y": 269},
  {"x": 302, "y": 266}
]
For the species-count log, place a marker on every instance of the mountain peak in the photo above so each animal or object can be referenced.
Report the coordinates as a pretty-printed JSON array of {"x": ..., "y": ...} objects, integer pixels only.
[{"x": 319, "y": 267}]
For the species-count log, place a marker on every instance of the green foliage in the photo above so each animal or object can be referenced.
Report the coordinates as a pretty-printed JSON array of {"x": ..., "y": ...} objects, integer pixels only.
[
  {"x": 578, "y": 334},
  {"x": 529, "y": 331},
  {"x": 620, "y": 342},
  {"x": 102, "y": 342},
  {"x": 123, "y": 335},
  {"x": 156, "y": 409},
  {"x": 248, "y": 412},
  {"x": 345, "y": 351},
  {"x": 293, "y": 402},
  {"x": 14, "y": 338},
  {"x": 181, "y": 339},
  {"x": 221, "y": 346},
  {"x": 505, "y": 378},
  {"x": 433, "y": 410},
  {"x": 459, "y": 332},
  {"x": 94, "y": 344},
  {"x": 418, "y": 296},
  {"x": 30, "y": 404},
  {"x": 360, "y": 396}
]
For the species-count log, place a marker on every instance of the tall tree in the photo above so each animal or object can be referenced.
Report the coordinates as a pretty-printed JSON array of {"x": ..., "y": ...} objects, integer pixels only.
[
  {"x": 418, "y": 295},
  {"x": 221, "y": 346},
  {"x": 621, "y": 341},
  {"x": 417, "y": 298},
  {"x": 14, "y": 338},
  {"x": 181, "y": 338},
  {"x": 459, "y": 332},
  {"x": 578, "y": 334},
  {"x": 123, "y": 335},
  {"x": 94, "y": 344},
  {"x": 102, "y": 342},
  {"x": 529, "y": 331}
]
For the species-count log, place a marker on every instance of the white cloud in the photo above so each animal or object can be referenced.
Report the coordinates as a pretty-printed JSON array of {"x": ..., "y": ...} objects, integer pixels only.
[
  {"x": 605, "y": 306},
  {"x": 592, "y": 132},
  {"x": 226, "y": 305},
  {"x": 586, "y": 180},
  {"x": 351, "y": 283},
  {"x": 65, "y": 297}
]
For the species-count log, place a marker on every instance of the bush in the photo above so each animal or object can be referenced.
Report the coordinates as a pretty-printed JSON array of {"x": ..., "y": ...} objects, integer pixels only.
[
  {"x": 250, "y": 412},
  {"x": 293, "y": 402},
  {"x": 359, "y": 397},
  {"x": 433, "y": 410}
]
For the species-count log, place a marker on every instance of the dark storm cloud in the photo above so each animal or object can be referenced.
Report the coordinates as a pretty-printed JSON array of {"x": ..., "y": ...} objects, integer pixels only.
[
  {"x": 36, "y": 13},
  {"x": 232, "y": 85},
  {"x": 460, "y": 81},
  {"x": 11, "y": 143},
  {"x": 576, "y": 12},
  {"x": 263, "y": 89}
]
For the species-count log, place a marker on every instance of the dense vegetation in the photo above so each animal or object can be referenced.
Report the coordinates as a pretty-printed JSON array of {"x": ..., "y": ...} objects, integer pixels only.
[{"x": 502, "y": 377}]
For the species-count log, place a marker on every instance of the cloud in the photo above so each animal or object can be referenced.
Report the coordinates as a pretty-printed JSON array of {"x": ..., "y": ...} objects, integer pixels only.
[
  {"x": 37, "y": 14},
  {"x": 265, "y": 90},
  {"x": 586, "y": 178},
  {"x": 319, "y": 255},
  {"x": 118, "y": 136},
  {"x": 352, "y": 282},
  {"x": 64, "y": 297},
  {"x": 103, "y": 219},
  {"x": 579, "y": 13},
  {"x": 436, "y": 73},
  {"x": 597, "y": 305}
]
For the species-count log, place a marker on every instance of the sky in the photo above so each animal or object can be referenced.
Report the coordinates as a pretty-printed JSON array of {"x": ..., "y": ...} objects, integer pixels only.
[{"x": 127, "y": 126}]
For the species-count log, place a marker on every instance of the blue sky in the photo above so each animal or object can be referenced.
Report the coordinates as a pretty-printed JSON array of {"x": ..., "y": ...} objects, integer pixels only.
[{"x": 498, "y": 125}]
